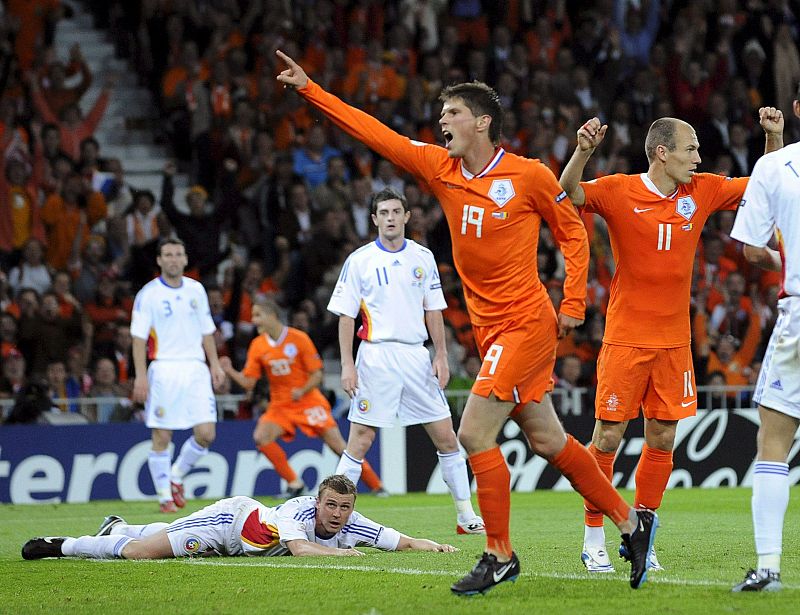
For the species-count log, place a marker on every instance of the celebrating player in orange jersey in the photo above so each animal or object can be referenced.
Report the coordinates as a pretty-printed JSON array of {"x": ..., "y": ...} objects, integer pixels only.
[
  {"x": 654, "y": 222},
  {"x": 494, "y": 202},
  {"x": 292, "y": 365}
]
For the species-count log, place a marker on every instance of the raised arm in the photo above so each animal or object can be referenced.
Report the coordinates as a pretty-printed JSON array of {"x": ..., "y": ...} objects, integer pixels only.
[
  {"x": 590, "y": 135},
  {"x": 771, "y": 120}
]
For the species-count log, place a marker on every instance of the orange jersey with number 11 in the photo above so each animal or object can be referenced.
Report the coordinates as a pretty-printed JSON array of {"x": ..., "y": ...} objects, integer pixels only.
[
  {"x": 494, "y": 217},
  {"x": 654, "y": 239}
]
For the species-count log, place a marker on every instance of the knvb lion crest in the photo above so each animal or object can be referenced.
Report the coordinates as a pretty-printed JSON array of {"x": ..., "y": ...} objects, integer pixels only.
[
  {"x": 686, "y": 207},
  {"x": 502, "y": 191}
]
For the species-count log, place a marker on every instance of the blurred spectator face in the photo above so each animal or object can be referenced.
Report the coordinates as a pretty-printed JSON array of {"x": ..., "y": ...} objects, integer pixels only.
[
  {"x": 32, "y": 252},
  {"x": 89, "y": 151},
  {"x": 726, "y": 348},
  {"x": 28, "y": 302},
  {"x": 8, "y": 328},
  {"x": 51, "y": 139},
  {"x": 73, "y": 186},
  {"x": 738, "y": 136},
  {"x": 56, "y": 374},
  {"x": 253, "y": 276},
  {"x": 337, "y": 169},
  {"x": 62, "y": 167},
  {"x": 95, "y": 249},
  {"x": 74, "y": 361},
  {"x": 56, "y": 73},
  {"x": 106, "y": 287},
  {"x": 196, "y": 200},
  {"x": 143, "y": 203},
  {"x": 49, "y": 309},
  {"x": 361, "y": 190},
  {"x": 14, "y": 367},
  {"x": 71, "y": 114},
  {"x": 736, "y": 285},
  {"x": 571, "y": 369},
  {"x": 15, "y": 172},
  {"x": 61, "y": 283},
  {"x": 216, "y": 302},
  {"x": 104, "y": 373},
  {"x": 299, "y": 198},
  {"x": 301, "y": 320},
  {"x": 122, "y": 338},
  {"x": 316, "y": 138}
]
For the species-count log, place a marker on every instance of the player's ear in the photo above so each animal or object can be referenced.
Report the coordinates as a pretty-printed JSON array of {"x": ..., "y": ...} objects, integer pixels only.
[
  {"x": 374, "y": 219},
  {"x": 484, "y": 122},
  {"x": 796, "y": 108}
]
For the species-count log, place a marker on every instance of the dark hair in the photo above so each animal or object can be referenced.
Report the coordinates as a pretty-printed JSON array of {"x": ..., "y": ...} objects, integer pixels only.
[
  {"x": 481, "y": 100},
  {"x": 170, "y": 241},
  {"x": 662, "y": 132},
  {"x": 338, "y": 483},
  {"x": 387, "y": 194},
  {"x": 144, "y": 193}
]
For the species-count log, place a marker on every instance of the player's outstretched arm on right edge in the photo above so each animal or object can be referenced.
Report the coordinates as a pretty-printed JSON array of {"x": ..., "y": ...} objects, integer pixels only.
[
  {"x": 407, "y": 543},
  {"x": 590, "y": 136},
  {"x": 765, "y": 257}
]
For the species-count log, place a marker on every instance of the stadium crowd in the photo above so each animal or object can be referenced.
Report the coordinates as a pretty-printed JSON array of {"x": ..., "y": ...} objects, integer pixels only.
[{"x": 279, "y": 197}]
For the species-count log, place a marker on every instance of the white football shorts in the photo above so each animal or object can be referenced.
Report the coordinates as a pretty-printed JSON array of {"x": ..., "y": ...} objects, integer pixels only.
[
  {"x": 778, "y": 386},
  {"x": 180, "y": 395},
  {"x": 217, "y": 527},
  {"x": 396, "y": 386}
]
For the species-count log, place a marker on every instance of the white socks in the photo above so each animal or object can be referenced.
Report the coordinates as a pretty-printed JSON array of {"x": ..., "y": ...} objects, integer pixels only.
[
  {"x": 95, "y": 547},
  {"x": 594, "y": 537},
  {"x": 158, "y": 463},
  {"x": 454, "y": 473},
  {"x": 350, "y": 467},
  {"x": 190, "y": 453},
  {"x": 769, "y": 503}
]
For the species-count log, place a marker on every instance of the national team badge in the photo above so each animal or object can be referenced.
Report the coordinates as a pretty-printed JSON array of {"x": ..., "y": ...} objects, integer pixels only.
[
  {"x": 191, "y": 545},
  {"x": 419, "y": 273},
  {"x": 363, "y": 406},
  {"x": 160, "y": 412},
  {"x": 686, "y": 207},
  {"x": 290, "y": 350},
  {"x": 193, "y": 304},
  {"x": 612, "y": 403},
  {"x": 502, "y": 191}
]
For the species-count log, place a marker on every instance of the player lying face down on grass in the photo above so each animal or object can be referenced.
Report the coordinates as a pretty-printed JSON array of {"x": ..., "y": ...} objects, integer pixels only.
[{"x": 322, "y": 525}]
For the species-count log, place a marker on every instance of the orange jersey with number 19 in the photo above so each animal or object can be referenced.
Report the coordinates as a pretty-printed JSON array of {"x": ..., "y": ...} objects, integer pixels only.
[
  {"x": 494, "y": 217},
  {"x": 654, "y": 239}
]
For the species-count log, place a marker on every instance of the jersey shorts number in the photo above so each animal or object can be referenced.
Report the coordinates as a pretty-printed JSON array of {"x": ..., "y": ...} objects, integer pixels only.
[
  {"x": 313, "y": 419},
  {"x": 396, "y": 386},
  {"x": 180, "y": 395},
  {"x": 659, "y": 382},
  {"x": 778, "y": 386},
  {"x": 518, "y": 357}
]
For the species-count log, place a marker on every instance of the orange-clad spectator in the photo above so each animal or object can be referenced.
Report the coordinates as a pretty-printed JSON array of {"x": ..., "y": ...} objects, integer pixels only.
[
  {"x": 295, "y": 121},
  {"x": 544, "y": 42},
  {"x": 107, "y": 308},
  {"x": 33, "y": 16},
  {"x": 68, "y": 216},
  {"x": 56, "y": 92},
  {"x": 733, "y": 359},
  {"x": 226, "y": 35},
  {"x": 374, "y": 79},
  {"x": 62, "y": 287},
  {"x": 13, "y": 138},
  {"x": 19, "y": 211},
  {"x": 730, "y": 309},
  {"x": 714, "y": 266},
  {"x": 190, "y": 67},
  {"x": 73, "y": 127}
]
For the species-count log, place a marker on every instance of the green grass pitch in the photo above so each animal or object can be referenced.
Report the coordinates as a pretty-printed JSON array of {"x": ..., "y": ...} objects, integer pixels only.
[{"x": 705, "y": 542}]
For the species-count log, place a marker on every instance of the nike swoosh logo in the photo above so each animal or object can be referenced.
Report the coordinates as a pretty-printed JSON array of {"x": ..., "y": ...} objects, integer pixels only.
[
  {"x": 498, "y": 575},
  {"x": 688, "y": 403},
  {"x": 636, "y": 210},
  {"x": 482, "y": 378}
]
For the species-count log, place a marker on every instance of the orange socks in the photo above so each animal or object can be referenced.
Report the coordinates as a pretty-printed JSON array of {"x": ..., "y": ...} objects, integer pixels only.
[
  {"x": 369, "y": 476},
  {"x": 652, "y": 475},
  {"x": 277, "y": 457},
  {"x": 582, "y": 471},
  {"x": 494, "y": 497},
  {"x": 593, "y": 517}
]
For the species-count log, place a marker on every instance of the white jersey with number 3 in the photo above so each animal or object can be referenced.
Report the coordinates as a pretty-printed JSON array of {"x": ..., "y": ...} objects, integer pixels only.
[
  {"x": 771, "y": 204},
  {"x": 392, "y": 290},
  {"x": 177, "y": 318}
]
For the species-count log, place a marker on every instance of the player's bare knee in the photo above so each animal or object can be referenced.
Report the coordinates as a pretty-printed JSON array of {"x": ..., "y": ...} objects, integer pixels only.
[{"x": 135, "y": 549}]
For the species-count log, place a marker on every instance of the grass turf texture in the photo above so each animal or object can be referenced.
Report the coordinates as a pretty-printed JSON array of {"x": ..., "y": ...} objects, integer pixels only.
[{"x": 705, "y": 543}]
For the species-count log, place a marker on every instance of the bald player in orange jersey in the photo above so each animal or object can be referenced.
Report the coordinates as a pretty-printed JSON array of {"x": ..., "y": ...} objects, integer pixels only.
[
  {"x": 293, "y": 367},
  {"x": 494, "y": 202},
  {"x": 654, "y": 222}
]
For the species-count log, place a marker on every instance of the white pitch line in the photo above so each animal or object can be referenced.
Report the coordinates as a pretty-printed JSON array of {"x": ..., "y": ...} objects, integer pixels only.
[{"x": 659, "y": 579}]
